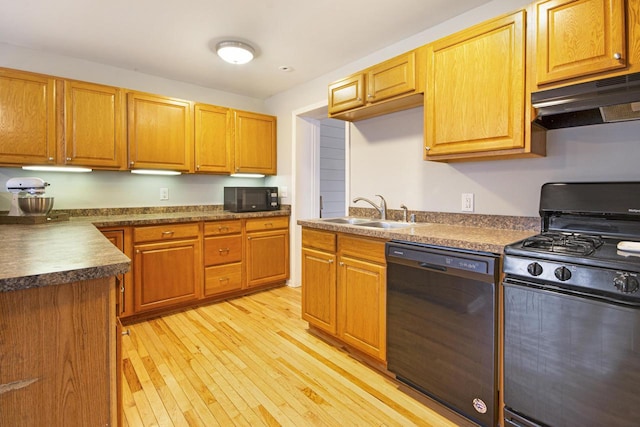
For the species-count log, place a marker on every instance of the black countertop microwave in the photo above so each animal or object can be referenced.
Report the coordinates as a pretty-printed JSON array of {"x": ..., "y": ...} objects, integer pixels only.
[{"x": 251, "y": 199}]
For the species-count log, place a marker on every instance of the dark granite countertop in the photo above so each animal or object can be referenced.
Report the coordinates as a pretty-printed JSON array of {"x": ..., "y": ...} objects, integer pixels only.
[
  {"x": 485, "y": 239},
  {"x": 69, "y": 251}
]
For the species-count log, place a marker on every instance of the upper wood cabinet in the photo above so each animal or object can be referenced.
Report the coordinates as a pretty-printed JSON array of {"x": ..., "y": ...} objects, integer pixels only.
[
  {"x": 254, "y": 137},
  {"x": 577, "y": 38},
  {"x": 213, "y": 139},
  {"x": 27, "y": 118},
  {"x": 159, "y": 132},
  {"x": 94, "y": 126},
  {"x": 393, "y": 85},
  {"x": 476, "y": 103}
]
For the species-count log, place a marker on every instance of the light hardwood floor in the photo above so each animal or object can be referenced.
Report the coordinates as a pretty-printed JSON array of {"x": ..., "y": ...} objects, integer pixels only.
[{"x": 252, "y": 362}]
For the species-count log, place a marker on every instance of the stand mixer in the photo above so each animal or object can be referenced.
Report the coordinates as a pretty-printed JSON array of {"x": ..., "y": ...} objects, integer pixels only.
[{"x": 30, "y": 186}]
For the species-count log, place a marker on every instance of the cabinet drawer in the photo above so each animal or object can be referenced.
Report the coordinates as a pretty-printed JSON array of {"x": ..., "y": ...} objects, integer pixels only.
[
  {"x": 222, "y": 278},
  {"x": 222, "y": 250},
  {"x": 165, "y": 232},
  {"x": 357, "y": 247},
  {"x": 323, "y": 240},
  {"x": 222, "y": 227},
  {"x": 271, "y": 223}
]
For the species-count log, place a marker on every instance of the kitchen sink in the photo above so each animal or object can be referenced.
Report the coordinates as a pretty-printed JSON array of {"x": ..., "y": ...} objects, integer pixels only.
[
  {"x": 351, "y": 221},
  {"x": 385, "y": 224},
  {"x": 367, "y": 222}
]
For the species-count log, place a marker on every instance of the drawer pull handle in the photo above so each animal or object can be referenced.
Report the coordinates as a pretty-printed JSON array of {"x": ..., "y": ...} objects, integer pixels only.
[
  {"x": 223, "y": 228},
  {"x": 224, "y": 279},
  {"x": 225, "y": 250},
  {"x": 167, "y": 233},
  {"x": 268, "y": 224}
]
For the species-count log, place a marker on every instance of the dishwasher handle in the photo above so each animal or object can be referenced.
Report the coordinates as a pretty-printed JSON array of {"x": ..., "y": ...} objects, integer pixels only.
[{"x": 432, "y": 266}]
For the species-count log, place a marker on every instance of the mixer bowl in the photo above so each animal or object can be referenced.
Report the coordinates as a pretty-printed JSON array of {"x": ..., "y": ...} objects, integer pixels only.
[{"x": 35, "y": 205}]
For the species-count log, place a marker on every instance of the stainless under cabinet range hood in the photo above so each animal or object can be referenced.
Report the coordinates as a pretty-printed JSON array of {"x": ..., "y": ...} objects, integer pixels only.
[{"x": 614, "y": 99}]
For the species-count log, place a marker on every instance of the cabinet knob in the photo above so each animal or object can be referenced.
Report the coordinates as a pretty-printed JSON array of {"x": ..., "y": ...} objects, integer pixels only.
[
  {"x": 427, "y": 148},
  {"x": 617, "y": 56},
  {"x": 198, "y": 167},
  {"x": 132, "y": 163},
  {"x": 330, "y": 261},
  {"x": 369, "y": 96},
  {"x": 68, "y": 159},
  {"x": 359, "y": 99},
  {"x": 126, "y": 332},
  {"x": 137, "y": 251},
  {"x": 51, "y": 159},
  {"x": 341, "y": 264}
]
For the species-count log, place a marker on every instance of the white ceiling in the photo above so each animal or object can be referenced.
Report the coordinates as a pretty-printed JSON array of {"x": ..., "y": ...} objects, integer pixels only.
[{"x": 173, "y": 38}]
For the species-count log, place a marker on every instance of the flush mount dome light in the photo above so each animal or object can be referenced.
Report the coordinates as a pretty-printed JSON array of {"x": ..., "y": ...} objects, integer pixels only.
[{"x": 235, "y": 52}]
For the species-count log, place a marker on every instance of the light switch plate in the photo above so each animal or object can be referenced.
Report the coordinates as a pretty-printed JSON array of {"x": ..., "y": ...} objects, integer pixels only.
[{"x": 164, "y": 194}]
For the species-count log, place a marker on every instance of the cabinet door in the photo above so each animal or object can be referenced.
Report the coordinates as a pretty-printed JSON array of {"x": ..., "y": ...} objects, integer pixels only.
[
  {"x": 475, "y": 94},
  {"x": 255, "y": 143},
  {"x": 391, "y": 78},
  {"x": 267, "y": 257},
  {"x": 27, "y": 118},
  {"x": 166, "y": 273},
  {"x": 213, "y": 148},
  {"x": 319, "y": 289},
  {"x": 94, "y": 126},
  {"x": 577, "y": 38},
  {"x": 362, "y": 306},
  {"x": 159, "y": 133},
  {"x": 116, "y": 237},
  {"x": 346, "y": 94}
]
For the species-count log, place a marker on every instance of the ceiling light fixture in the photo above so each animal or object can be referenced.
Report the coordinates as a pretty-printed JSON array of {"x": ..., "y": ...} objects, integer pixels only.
[{"x": 235, "y": 52}]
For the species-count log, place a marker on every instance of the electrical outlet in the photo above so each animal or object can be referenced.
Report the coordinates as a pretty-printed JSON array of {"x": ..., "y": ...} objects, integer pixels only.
[
  {"x": 164, "y": 194},
  {"x": 467, "y": 202}
]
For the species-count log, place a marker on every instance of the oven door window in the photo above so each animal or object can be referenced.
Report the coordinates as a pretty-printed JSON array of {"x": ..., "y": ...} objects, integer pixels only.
[{"x": 571, "y": 361}]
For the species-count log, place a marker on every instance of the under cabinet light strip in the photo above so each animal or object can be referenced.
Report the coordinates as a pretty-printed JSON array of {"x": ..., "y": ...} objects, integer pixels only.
[{"x": 56, "y": 168}]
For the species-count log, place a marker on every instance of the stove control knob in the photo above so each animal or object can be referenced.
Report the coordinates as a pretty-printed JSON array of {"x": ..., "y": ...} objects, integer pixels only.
[
  {"x": 534, "y": 269},
  {"x": 625, "y": 283},
  {"x": 562, "y": 273}
]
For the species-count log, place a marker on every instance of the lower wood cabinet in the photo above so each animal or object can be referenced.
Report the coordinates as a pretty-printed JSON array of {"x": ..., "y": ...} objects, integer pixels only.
[
  {"x": 344, "y": 290},
  {"x": 58, "y": 355},
  {"x": 222, "y": 257},
  {"x": 167, "y": 265},
  {"x": 267, "y": 250}
]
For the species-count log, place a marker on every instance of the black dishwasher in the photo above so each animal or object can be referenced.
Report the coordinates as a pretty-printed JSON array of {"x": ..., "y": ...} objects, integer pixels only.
[{"x": 442, "y": 325}]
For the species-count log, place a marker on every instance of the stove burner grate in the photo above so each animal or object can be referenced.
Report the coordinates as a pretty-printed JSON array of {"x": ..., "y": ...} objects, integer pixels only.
[{"x": 574, "y": 244}]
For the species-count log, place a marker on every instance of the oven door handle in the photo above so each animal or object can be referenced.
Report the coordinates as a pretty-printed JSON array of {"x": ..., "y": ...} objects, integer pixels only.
[{"x": 432, "y": 266}]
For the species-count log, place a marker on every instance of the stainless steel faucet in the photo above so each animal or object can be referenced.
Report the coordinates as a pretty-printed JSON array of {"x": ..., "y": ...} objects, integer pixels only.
[
  {"x": 382, "y": 208},
  {"x": 405, "y": 212}
]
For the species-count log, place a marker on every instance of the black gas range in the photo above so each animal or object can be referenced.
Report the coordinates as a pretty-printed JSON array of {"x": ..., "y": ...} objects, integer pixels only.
[{"x": 572, "y": 310}]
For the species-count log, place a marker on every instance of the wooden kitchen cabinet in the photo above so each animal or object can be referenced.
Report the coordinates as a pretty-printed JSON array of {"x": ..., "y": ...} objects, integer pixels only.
[
  {"x": 167, "y": 265},
  {"x": 577, "y": 38},
  {"x": 255, "y": 143},
  {"x": 27, "y": 118},
  {"x": 362, "y": 294},
  {"x": 58, "y": 347},
  {"x": 319, "y": 290},
  {"x": 393, "y": 85},
  {"x": 344, "y": 288},
  {"x": 95, "y": 126},
  {"x": 222, "y": 257},
  {"x": 213, "y": 139},
  {"x": 476, "y": 102},
  {"x": 267, "y": 250},
  {"x": 160, "y": 134},
  {"x": 120, "y": 237}
]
